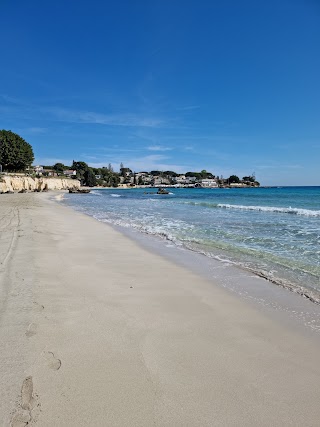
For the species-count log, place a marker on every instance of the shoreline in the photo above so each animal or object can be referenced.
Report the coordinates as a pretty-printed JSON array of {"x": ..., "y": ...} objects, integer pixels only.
[
  {"x": 272, "y": 297},
  {"x": 309, "y": 293},
  {"x": 101, "y": 331}
]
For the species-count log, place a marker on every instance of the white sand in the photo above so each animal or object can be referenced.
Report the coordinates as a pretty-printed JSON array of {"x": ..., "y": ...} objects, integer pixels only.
[{"x": 96, "y": 331}]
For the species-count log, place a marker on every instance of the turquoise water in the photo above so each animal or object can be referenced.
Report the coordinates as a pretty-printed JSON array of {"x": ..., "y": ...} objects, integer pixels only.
[{"x": 274, "y": 232}]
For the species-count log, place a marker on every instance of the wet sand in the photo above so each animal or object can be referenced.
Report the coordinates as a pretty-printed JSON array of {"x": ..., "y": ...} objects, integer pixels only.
[{"x": 98, "y": 331}]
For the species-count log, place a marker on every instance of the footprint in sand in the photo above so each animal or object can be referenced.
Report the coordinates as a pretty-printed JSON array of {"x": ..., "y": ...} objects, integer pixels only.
[
  {"x": 23, "y": 416},
  {"x": 52, "y": 362},
  {"x": 20, "y": 419},
  {"x": 32, "y": 330},
  {"x": 37, "y": 306},
  {"x": 27, "y": 399}
]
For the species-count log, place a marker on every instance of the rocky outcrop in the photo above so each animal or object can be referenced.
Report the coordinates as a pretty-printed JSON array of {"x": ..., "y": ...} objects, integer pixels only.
[{"x": 27, "y": 183}]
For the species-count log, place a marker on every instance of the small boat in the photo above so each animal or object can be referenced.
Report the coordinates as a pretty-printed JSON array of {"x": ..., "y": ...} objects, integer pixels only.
[{"x": 162, "y": 191}]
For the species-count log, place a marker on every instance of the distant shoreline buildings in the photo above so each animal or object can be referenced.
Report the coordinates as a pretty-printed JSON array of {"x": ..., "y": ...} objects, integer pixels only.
[{"x": 126, "y": 178}]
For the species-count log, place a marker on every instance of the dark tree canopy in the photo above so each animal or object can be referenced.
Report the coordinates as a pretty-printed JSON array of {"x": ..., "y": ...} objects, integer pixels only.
[
  {"x": 85, "y": 174},
  {"x": 81, "y": 168},
  {"x": 15, "y": 153},
  {"x": 90, "y": 178},
  {"x": 248, "y": 178},
  {"x": 60, "y": 167},
  {"x": 170, "y": 173},
  {"x": 234, "y": 179}
]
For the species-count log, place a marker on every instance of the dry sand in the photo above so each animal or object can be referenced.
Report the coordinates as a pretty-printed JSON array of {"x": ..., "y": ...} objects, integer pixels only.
[{"x": 96, "y": 331}]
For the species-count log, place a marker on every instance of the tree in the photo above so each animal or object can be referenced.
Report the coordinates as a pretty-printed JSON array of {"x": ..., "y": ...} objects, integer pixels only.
[
  {"x": 234, "y": 179},
  {"x": 248, "y": 178},
  {"x": 125, "y": 172},
  {"x": 170, "y": 173},
  {"x": 84, "y": 173},
  {"x": 81, "y": 168},
  {"x": 15, "y": 153},
  {"x": 197, "y": 175},
  {"x": 60, "y": 167},
  {"x": 89, "y": 178}
]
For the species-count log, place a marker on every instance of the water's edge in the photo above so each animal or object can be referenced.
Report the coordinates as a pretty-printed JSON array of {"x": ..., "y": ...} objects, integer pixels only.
[{"x": 299, "y": 305}]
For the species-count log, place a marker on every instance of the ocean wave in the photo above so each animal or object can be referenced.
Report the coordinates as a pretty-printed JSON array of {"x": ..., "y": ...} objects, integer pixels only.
[
  {"x": 115, "y": 195},
  {"x": 289, "y": 210}
]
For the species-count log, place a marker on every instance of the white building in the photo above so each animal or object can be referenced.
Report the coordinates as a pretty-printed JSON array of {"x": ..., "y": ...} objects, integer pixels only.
[{"x": 209, "y": 183}]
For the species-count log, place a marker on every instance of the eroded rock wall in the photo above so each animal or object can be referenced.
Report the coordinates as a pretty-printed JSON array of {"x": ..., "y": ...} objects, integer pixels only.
[{"x": 19, "y": 183}]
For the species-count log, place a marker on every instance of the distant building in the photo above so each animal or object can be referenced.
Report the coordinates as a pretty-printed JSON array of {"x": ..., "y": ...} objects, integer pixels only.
[
  {"x": 208, "y": 183},
  {"x": 38, "y": 169},
  {"x": 159, "y": 180},
  {"x": 49, "y": 172},
  {"x": 70, "y": 173}
]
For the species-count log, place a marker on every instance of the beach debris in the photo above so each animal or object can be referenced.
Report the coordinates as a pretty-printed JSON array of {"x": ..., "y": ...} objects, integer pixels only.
[{"x": 81, "y": 191}]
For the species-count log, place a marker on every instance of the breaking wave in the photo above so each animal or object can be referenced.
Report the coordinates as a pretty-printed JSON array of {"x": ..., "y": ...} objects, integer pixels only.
[{"x": 288, "y": 210}]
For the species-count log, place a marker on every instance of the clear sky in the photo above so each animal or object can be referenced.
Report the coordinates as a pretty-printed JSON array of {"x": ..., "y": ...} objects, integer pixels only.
[{"x": 231, "y": 86}]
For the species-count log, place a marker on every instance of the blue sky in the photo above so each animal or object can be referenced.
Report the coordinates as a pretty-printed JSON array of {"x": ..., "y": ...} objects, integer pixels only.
[{"x": 228, "y": 86}]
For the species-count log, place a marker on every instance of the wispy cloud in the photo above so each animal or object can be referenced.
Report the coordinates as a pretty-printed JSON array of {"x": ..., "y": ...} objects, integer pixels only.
[
  {"x": 19, "y": 107},
  {"x": 159, "y": 148},
  {"x": 188, "y": 107},
  {"x": 34, "y": 130},
  {"x": 129, "y": 120}
]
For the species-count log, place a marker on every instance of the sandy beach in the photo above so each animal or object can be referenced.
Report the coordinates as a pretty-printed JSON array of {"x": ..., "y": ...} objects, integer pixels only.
[{"x": 97, "y": 331}]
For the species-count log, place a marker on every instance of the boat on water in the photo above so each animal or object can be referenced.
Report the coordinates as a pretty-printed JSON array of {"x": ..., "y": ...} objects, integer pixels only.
[{"x": 162, "y": 191}]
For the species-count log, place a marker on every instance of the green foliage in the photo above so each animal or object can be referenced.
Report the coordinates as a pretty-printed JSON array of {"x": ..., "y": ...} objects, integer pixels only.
[
  {"x": 108, "y": 178},
  {"x": 124, "y": 171},
  {"x": 15, "y": 153},
  {"x": 81, "y": 168},
  {"x": 170, "y": 173},
  {"x": 60, "y": 167},
  {"x": 85, "y": 174},
  {"x": 89, "y": 178},
  {"x": 248, "y": 178},
  {"x": 200, "y": 175},
  {"x": 234, "y": 179},
  {"x": 196, "y": 174}
]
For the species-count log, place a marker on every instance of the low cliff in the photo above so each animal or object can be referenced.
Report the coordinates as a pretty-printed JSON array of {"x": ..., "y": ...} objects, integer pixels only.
[{"x": 27, "y": 183}]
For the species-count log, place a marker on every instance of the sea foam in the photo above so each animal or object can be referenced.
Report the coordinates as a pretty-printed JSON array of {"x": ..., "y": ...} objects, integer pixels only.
[{"x": 289, "y": 210}]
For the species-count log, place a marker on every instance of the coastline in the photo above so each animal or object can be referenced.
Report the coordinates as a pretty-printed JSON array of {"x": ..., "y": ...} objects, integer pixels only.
[
  {"x": 114, "y": 334},
  {"x": 276, "y": 273}
]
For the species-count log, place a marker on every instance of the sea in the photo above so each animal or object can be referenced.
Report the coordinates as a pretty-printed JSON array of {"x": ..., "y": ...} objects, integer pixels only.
[{"x": 271, "y": 232}]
